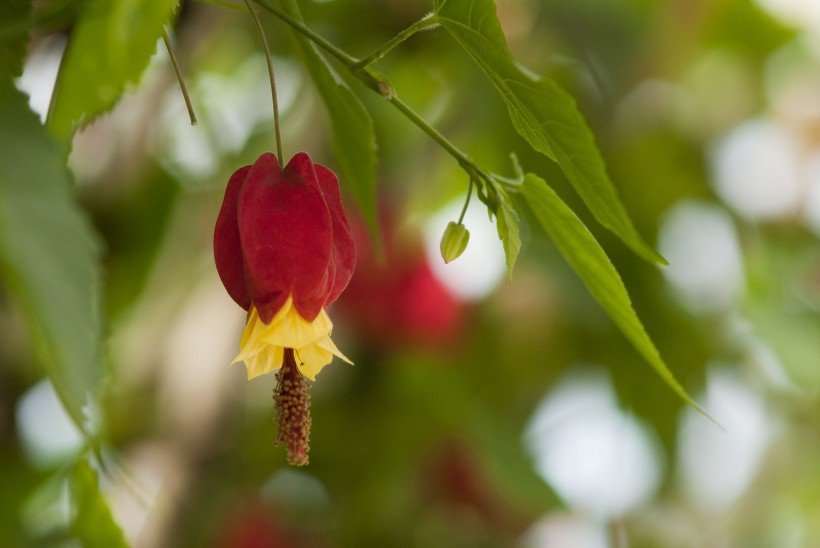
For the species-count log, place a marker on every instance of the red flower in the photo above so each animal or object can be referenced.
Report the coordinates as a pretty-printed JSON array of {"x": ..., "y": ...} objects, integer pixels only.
[
  {"x": 284, "y": 251},
  {"x": 283, "y": 234}
]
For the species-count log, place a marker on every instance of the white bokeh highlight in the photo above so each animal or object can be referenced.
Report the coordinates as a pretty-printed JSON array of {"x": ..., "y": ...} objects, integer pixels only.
[
  {"x": 716, "y": 466},
  {"x": 756, "y": 170},
  {"x": 792, "y": 82},
  {"x": 705, "y": 263},
  {"x": 40, "y": 73},
  {"x": 796, "y": 13},
  {"x": 599, "y": 460},
  {"x": 565, "y": 531},
  {"x": 230, "y": 108},
  {"x": 47, "y": 433},
  {"x": 482, "y": 265}
]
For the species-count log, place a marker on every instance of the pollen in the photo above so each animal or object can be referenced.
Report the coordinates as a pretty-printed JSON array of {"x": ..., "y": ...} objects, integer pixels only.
[{"x": 292, "y": 410}]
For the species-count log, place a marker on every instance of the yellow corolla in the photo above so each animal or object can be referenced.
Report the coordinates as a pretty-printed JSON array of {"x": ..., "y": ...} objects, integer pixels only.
[{"x": 263, "y": 345}]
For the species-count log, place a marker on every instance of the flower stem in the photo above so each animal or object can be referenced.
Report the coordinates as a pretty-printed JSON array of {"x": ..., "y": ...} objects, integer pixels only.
[
  {"x": 180, "y": 79},
  {"x": 297, "y": 25},
  {"x": 463, "y": 160},
  {"x": 425, "y": 23},
  {"x": 269, "y": 60},
  {"x": 378, "y": 83},
  {"x": 466, "y": 202}
]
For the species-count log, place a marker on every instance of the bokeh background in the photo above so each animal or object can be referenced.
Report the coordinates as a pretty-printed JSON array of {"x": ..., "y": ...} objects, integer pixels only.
[{"x": 479, "y": 412}]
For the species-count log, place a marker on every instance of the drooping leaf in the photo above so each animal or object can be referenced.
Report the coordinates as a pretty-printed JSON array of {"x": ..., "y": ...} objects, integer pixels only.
[
  {"x": 507, "y": 226},
  {"x": 48, "y": 253},
  {"x": 588, "y": 259},
  {"x": 109, "y": 49},
  {"x": 91, "y": 520},
  {"x": 543, "y": 113},
  {"x": 15, "y": 17},
  {"x": 354, "y": 139}
]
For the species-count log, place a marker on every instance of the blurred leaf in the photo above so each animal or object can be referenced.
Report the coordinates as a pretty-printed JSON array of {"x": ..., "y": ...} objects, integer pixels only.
[
  {"x": 588, "y": 259},
  {"x": 507, "y": 226},
  {"x": 133, "y": 229},
  {"x": 745, "y": 27},
  {"x": 48, "y": 252},
  {"x": 55, "y": 15},
  {"x": 543, "y": 113},
  {"x": 91, "y": 519},
  {"x": 15, "y": 17},
  {"x": 354, "y": 139},
  {"x": 109, "y": 48},
  {"x": 225, "y": 4},
  {"x": 19, "y": 480}
]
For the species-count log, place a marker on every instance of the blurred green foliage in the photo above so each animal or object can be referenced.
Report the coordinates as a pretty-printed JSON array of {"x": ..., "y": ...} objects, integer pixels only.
[{"x": 422, "y": 442}]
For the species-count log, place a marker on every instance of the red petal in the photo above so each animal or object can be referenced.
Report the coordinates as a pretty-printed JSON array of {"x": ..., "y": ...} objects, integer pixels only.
[
  {"x": 343, "y": 252},
  {"x": 286, "y": 235},
  {"x": 227, "y": 249}
]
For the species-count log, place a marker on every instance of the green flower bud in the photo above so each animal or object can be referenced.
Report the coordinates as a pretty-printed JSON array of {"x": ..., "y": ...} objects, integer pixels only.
[{"x": 454, "y": 241}]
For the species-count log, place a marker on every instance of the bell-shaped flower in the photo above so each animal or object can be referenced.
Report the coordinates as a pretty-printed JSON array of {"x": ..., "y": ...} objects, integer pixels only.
[{"x": 284, "y": 251}]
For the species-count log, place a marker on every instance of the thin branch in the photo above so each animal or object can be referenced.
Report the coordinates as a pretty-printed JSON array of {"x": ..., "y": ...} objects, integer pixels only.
[
  {"x": 180, "y": 79},
  {"x": 466, "y": 202},
  {"x": 378, "y": 83},
  {"x": 297, "y": 25},
  {"x": 425, "y": 23}
]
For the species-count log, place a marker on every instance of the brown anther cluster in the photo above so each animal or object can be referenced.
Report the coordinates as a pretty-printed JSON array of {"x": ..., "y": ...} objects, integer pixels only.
[{"x": 292, "y": 410}]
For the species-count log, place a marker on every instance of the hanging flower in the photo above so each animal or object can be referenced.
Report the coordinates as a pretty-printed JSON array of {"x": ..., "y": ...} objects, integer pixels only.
[{"x": 284, "y": 251}]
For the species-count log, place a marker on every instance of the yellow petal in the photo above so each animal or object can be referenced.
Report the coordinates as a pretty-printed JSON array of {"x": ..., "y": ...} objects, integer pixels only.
[
  {"x": 291, "y": 330},
  {"x": 311, "y": 359},
  {"x": 269, "y": 359},
  {"x": 262, "y": 345}
]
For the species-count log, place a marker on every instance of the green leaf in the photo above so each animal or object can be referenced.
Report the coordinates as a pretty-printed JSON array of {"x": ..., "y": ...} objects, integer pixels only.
[
  {"x": 507, "y": 226},
  {"x": 91, "y": 519},
  {"x": 543, "y": 113},
  {"x": 15, "y": 18},
  {"x": 109, "y": 49},
  {"x": 225, "y": 4},
  {"x": 48, "y": 253},
  {"x": 354, "y": 139},
  {"x": 589, "y": 260}
]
